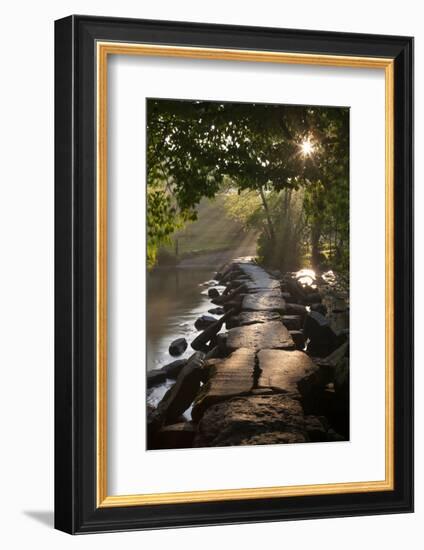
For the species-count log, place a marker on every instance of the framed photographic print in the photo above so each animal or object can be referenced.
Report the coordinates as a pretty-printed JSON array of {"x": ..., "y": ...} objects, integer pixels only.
[{"x": 233, "y": 269}]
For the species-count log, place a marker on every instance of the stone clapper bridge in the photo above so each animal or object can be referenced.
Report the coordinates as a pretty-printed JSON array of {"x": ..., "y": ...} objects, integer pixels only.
[{"x": 255, "y": 384}]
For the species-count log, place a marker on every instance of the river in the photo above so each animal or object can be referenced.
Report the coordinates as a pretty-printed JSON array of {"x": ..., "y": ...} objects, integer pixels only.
[{"x": 176, "y": 297}]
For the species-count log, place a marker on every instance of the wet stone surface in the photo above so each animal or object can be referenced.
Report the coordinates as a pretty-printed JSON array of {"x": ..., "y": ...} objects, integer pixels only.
[
  {"x": 264, "y": 301},
  {"x": 253, "y": 420},
  {"x": 227, "y": 378},
  {"x": 254, "y": 384},
  {"x": 253, "y": 317},
  {"x": 283, "y": 370},
  {"x": 270, "y": 335},
  {"x": 270, "y": 285}
]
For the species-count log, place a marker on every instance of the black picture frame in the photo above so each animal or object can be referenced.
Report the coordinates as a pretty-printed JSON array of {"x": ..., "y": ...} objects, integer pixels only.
[{"x": 76, "y": 510}]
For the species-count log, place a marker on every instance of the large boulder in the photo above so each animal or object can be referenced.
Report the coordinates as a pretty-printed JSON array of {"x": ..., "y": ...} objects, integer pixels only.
[
  {"x": 234, "y": 274},
  {"x": 217, "y": 311},
  {"x": 235, "y": 283},
  {"x": 318, "y": 430},
  {"x": 312, "y": 298},
  {"x": 337, "y": 355},
  {"x": 339, "y": 319},
  {"x": 332, "y": 400},
  {"x": 320, "y": 308},
  {"x": 235, "y": 303},
  {"x": 178, "y": 347},
  {"x": 298, "y": 338},
  {"x": 182, "y": 394},
  {"x": 229, "y": 295},
  {"x": 309, "y": 289},
  {"x": 252, "y": 420},
  {"x": 323, "y": 340},
  {"x": 200, "y": 342},
  {"x": 231, "y": 272},
  {"x": 328, "y": 364},
  {"x": 292, "y": 322},
  {"x": 213, "y": 293},
  {"x": 204, "y": 321},
  {"x": 155, "y": 377},
  {"x": 315, "y": 324},
  {"x": 294, "y": 288},
  {"x": 296, "y": 309},
  {"x": 172, "y": 370}
]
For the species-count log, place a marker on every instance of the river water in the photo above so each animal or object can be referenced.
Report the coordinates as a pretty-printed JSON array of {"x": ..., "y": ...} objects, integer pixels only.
[{"x": 176, "y": 297}]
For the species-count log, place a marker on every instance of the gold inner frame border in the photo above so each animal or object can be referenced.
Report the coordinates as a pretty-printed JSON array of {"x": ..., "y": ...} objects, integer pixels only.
[{"x": 103, "y": 50}]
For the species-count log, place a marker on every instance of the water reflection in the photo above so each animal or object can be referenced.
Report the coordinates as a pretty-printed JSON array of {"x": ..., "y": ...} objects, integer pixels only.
[
  {"x": 306, "y": 277},
  {"x": 175, "y": 298}
]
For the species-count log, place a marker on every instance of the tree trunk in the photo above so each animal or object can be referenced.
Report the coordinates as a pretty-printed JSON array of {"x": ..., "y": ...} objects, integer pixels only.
[
  {"x": 315, "y": 236},
  {"x": 267, "y": 213}
]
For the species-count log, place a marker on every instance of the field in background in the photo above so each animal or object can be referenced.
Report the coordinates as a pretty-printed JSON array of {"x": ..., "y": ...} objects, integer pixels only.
[{"x": 214, "y": 230}]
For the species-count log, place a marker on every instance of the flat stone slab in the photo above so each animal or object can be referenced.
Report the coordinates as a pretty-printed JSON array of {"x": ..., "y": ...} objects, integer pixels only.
[
  {"x": 228, "y": 378},
  {"x": 264, "y": 301},
  {"x": 256, "y": 273},
  {"x": 253, "y": 317},
  {"x": 255, "y": 286},
  {"x": 270, "y": 335},
  {"x": 284, "y": 370},
  {"x": 253, "y": 420}
]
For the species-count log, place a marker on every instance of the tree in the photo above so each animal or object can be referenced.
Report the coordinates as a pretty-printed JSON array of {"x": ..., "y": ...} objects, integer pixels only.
[
  {"x": 327, "y": 197},
  {"x": 195, "y": 146}
]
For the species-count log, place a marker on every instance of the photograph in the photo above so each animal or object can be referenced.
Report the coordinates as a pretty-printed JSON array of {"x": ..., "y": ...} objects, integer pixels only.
[
  {"x": 233, "y": 273},
  {"x": 247, "y": 284}
]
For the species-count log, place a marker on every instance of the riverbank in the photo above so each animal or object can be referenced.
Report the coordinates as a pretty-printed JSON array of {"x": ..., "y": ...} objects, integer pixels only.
[
  {"x": 277, "y": 374},
  {"x": 210, "y": 239},
  {"x": 219, "y": 257}
]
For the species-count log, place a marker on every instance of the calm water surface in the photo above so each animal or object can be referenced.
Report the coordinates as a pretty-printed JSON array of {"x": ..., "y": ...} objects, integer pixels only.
[{"x": 176, "y": 297}]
